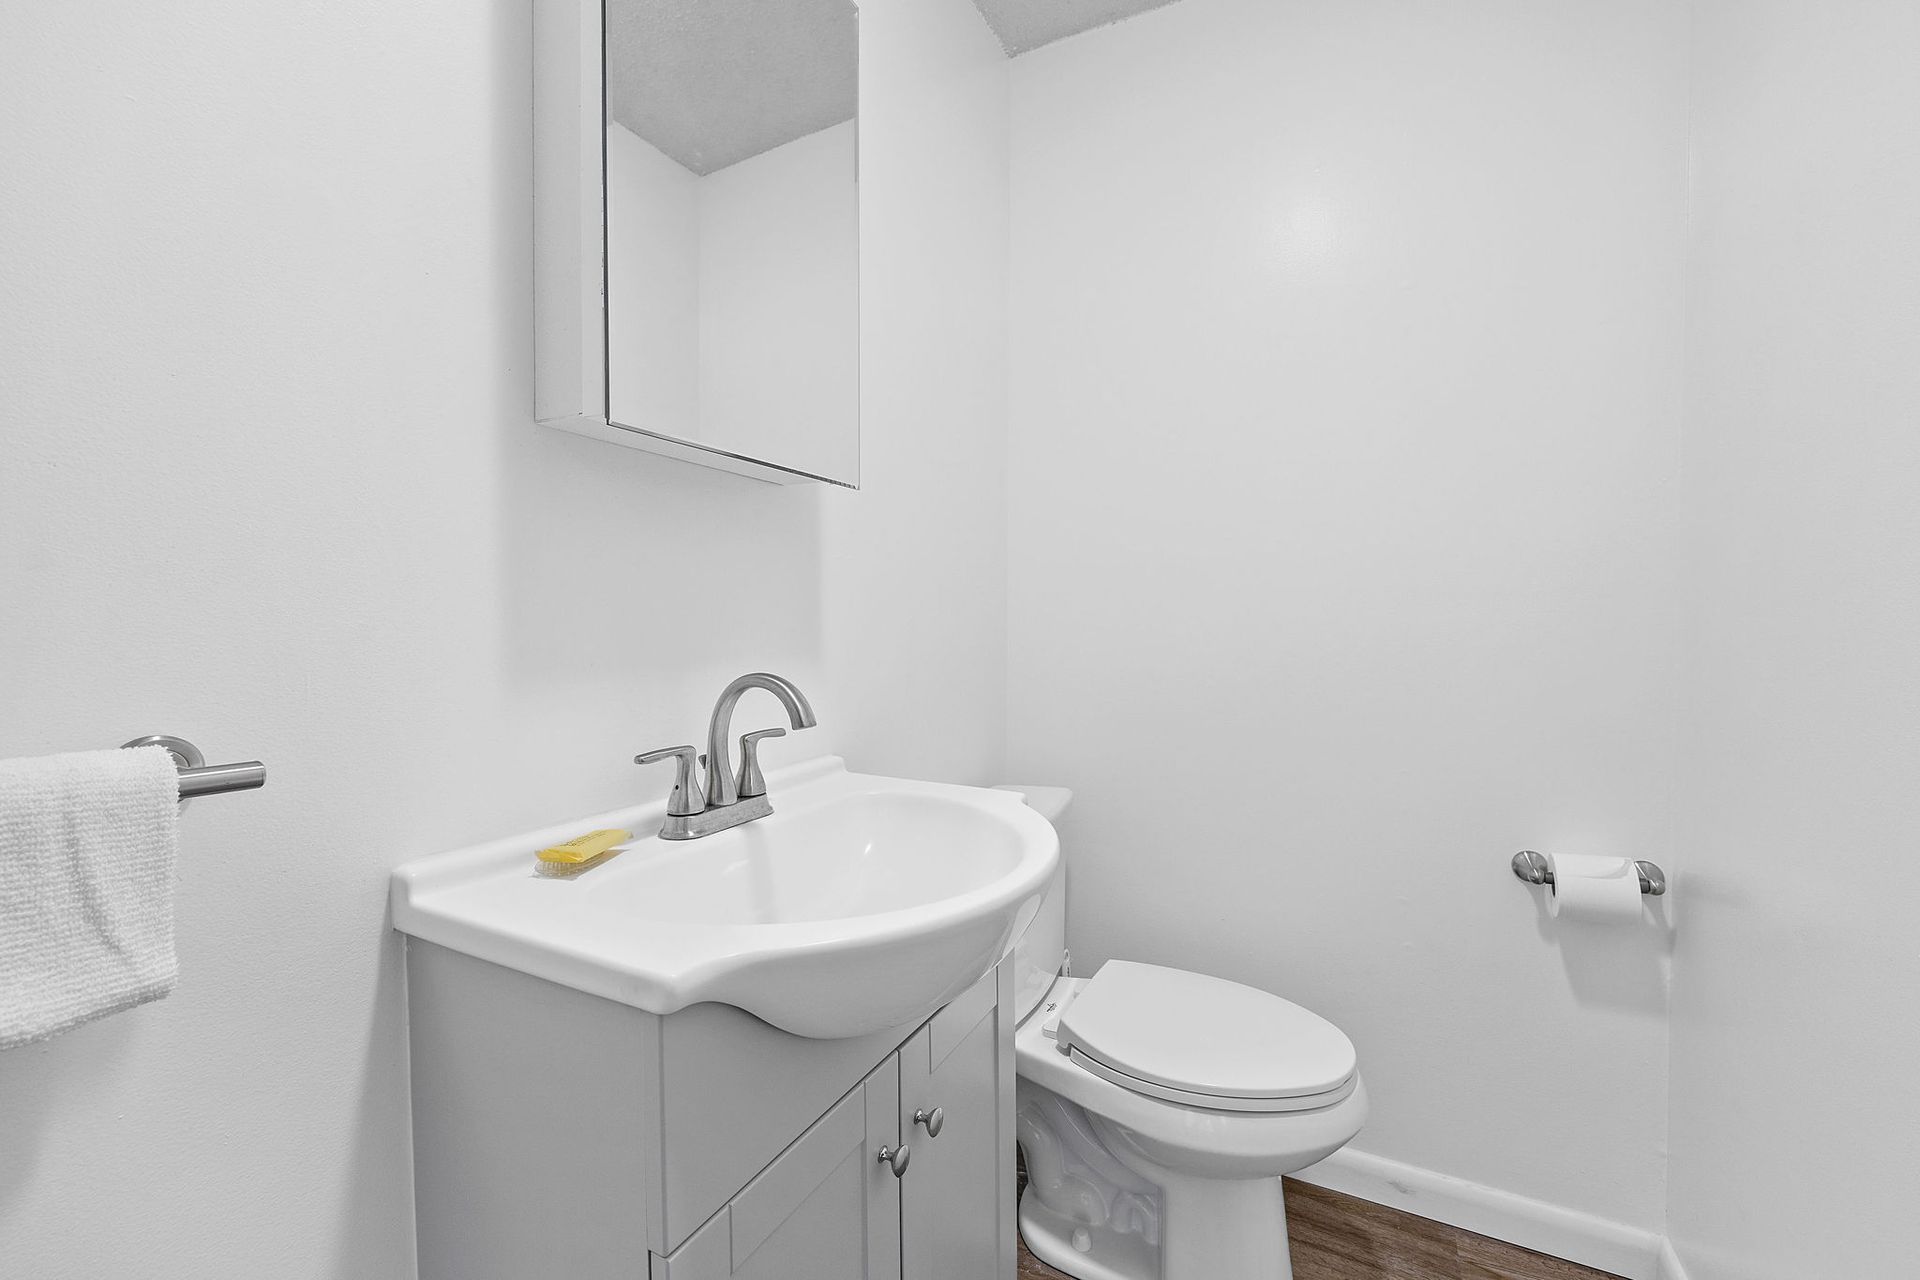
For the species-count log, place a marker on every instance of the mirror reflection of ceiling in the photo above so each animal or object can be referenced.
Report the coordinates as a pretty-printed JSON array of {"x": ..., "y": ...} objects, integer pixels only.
[
  {"x": 1028, "y": 24},
  {"x": 712, "y": 82}
]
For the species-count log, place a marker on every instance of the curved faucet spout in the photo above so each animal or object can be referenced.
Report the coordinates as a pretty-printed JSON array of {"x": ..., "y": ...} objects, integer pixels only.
[{"x": 721, "y": 788}]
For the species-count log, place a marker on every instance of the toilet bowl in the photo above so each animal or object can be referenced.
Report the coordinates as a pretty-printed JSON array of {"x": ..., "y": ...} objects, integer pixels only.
[{"x": 1157, "y": 1110}]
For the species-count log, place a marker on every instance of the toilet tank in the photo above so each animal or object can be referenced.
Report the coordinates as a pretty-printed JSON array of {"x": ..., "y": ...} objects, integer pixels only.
[{"x": 1040, "y": 949}]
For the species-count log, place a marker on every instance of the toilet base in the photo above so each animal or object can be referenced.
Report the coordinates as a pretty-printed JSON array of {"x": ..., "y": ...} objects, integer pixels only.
[
  {"x": 1212, "y": 1227},
  {"x": 1109, "y": 1255},
  {"x": 1213, "y": 1230}
]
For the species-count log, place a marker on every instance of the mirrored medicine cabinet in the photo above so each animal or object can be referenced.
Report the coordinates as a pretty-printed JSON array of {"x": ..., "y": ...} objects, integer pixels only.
[{"x": 696, "y": 230}]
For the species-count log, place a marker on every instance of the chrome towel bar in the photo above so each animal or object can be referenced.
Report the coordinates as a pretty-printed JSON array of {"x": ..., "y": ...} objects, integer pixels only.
[
  {"x": 1532, "y": 867},
  {"x": 197, "y": 777}
]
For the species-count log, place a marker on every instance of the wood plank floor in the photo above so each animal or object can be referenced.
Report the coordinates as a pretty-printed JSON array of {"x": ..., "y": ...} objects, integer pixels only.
[{"x": 1336, "y": 1237}]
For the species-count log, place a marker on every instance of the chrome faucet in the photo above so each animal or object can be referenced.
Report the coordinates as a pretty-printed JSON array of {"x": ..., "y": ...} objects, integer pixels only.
[{"x": 727, "y": 799}]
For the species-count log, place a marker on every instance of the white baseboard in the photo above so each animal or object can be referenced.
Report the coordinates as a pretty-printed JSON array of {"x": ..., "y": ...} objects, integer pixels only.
[
  {"x": 1531, "y": 1224},
  {"x": 1670, "y": 1268}
]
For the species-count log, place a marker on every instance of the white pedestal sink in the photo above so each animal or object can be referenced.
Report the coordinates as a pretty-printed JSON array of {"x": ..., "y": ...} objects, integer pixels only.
[{"x": 861, "y": 903}]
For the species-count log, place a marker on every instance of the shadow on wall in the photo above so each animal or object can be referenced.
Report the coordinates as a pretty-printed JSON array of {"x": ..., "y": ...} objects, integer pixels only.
[
  {"x": 384, "y": 1119},
  {"x": 660, "y": 567},
  {"x": 1624, "y": 967},
  {"x": 617, "y": 566}
]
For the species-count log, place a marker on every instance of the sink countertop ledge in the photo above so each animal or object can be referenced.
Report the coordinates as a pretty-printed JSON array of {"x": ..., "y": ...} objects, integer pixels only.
[{"x": 862, "y": 902}]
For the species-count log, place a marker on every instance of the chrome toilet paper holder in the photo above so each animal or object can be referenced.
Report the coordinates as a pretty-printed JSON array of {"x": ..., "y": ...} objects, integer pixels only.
[{"x": 1532, "y": 867}]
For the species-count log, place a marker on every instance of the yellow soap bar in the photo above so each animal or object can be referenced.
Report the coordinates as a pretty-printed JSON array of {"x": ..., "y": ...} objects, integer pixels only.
[{"x": 583, "y": 849}]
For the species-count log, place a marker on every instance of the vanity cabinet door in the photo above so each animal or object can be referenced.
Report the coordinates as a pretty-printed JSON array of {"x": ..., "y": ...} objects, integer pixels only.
[
  {"x": 956, "y": 1205},
  {"x": 827, "y": 1207}
]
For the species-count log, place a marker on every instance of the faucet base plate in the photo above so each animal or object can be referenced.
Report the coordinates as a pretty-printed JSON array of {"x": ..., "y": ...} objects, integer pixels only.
[{"x": 715, "y": 818}]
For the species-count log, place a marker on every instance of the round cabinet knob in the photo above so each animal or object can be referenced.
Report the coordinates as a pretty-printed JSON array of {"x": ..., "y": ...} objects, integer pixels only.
[
  {"x": 896, "y": 1159},
  {"x": 931, "y": 1120}
]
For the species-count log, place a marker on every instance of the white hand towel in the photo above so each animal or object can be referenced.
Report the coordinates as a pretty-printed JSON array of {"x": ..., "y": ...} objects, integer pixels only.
[{"x": 86, "y": 887}]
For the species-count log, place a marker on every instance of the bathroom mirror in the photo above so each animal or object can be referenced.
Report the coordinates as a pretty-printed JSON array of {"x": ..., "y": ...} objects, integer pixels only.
[{"x": 697, "y": 230}]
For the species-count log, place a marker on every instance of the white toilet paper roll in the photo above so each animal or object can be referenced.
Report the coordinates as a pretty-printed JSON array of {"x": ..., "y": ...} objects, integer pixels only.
[{"x": 1601, "y": 890}]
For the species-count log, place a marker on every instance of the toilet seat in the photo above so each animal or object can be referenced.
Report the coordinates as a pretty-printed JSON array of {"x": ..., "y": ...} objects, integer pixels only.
[{"x": 1205, "y": 1042}]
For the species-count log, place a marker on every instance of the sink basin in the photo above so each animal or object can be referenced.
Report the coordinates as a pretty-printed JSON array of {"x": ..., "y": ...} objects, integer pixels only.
[{"x": 862, "y": 903}]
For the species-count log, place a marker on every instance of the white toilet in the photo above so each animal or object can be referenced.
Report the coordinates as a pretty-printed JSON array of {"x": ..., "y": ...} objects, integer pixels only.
[{"x": 1158, "y": 1108}]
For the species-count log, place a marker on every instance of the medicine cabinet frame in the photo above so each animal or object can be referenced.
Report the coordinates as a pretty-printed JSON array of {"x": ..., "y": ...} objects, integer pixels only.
[{"x": 572, "y": 378}]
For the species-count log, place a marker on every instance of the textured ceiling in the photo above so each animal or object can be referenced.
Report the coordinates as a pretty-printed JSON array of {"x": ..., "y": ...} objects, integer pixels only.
[
  {"x": 712, "y": 82},
  {"x": 1028, "y": 24}
]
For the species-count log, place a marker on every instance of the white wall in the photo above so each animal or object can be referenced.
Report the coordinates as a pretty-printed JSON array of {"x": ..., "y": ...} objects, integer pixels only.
[
  {"x": 1794, "y": 1039},
  {"x": 915, "y": 585},
  {"x": 1398, "y": 288},
  {"x": 269, "y": 480},
  {"x": 1345, "y": 378}
]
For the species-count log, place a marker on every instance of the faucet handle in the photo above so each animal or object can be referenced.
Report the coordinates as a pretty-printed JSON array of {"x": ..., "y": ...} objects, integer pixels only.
[
  {"x": 685, "y": 799},
  {"x": 751, "y": 781}
]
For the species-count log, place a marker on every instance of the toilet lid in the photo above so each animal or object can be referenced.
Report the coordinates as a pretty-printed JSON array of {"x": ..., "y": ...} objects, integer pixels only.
[{"x": 1196, "y": 1035}]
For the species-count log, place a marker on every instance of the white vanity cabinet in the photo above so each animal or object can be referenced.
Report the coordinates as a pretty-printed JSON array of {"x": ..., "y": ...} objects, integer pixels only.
[
  {"x": 827, "y": 1206},
  {"x": 561, "y": 1134},
  {"x": 961, "y": 1065}
]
